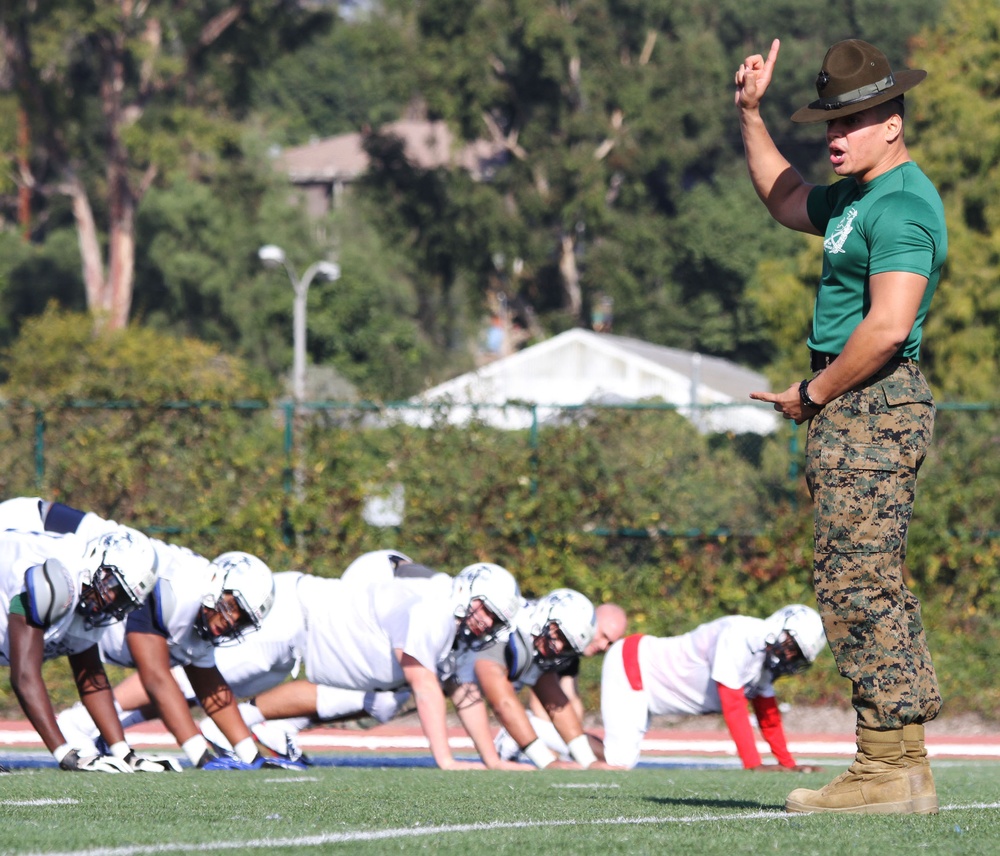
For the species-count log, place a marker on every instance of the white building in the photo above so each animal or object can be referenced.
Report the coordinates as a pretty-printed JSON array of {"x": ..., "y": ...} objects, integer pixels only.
[{"x": 579, "y": 367}]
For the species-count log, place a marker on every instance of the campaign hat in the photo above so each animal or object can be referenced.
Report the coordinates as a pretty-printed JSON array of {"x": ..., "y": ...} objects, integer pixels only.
[{"x": 855, "y": 76}]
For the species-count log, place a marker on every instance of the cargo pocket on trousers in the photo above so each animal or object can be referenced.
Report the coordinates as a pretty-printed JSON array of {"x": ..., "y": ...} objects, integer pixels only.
[{"x": 855, "y": 499}]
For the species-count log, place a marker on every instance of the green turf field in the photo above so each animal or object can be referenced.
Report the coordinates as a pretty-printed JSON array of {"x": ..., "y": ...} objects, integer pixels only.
[{"x": 393, "y": 810}]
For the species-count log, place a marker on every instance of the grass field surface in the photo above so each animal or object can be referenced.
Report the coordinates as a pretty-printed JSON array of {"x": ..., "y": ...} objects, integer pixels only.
[{"x": 402, "y": 807}]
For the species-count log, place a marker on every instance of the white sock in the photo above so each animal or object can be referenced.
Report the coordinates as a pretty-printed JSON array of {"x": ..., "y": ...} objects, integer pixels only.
[
  {"x": 251, "y": 713},
  {"x": 78, "y": 728},
  {"x": 547, "y": 733}
]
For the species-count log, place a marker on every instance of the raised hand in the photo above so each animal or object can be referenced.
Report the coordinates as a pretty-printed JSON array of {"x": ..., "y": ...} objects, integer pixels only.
[{"x": 754, "y": 76}]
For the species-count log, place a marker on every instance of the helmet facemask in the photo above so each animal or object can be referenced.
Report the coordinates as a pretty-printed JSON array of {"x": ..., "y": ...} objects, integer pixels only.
[
  {"x": 105, "y": 600},
  {"x": 242, "y": 580},
  {"x": 485, "y": 635},
  {"x": 552, "y": 632},
  {"x": 489, "y": 587},
  {"x": 784, "y": 657},
  {"x": 236, "y": 618}
]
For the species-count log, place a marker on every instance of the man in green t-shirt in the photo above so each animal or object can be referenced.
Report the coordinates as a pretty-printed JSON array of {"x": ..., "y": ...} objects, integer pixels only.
[{"x": 869, "y": 409}]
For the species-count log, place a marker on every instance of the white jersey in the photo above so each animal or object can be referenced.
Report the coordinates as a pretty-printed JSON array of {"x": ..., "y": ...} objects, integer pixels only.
[
  {"x": 170, "y": 611},
  {"x": 375, "y": 568},
  {"x": 20, "y": 551},
  {"x": 33, "y": 514},
  {"x": 680, "y": 672},
  {"x": 266, "y": 657},
  {"x": 679, "y": 675},
  {"x": 353, "y": 633}
]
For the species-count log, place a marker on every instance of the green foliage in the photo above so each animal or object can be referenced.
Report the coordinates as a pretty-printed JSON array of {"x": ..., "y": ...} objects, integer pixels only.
[
  {"x": 345, "y": 78},
  {"x": 958, "y": 143},
  {"x": 635, "y": 507}
]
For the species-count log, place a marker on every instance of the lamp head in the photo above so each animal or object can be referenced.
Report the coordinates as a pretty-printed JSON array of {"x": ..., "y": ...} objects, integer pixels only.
[
  {"x": 271, "y": 255},
  {"x": 328, "y": 270}
]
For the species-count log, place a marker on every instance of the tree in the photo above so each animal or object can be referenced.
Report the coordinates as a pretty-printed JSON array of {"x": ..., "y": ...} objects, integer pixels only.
[
  {"x": 116, "y": 92},
  {"x": 622, "y": 143},
  {"x": 956, "y": 139}
]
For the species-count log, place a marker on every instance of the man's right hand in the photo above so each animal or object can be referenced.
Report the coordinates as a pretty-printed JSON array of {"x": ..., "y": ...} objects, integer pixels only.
[
  {"x": 93, "y": 763},
  {"x": 754, "y": 76}
]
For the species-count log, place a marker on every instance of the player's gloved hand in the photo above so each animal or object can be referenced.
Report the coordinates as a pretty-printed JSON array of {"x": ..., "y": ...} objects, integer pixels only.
[
  {"x": 152, "y": 763},
  {"x": 93, "y": 763}
]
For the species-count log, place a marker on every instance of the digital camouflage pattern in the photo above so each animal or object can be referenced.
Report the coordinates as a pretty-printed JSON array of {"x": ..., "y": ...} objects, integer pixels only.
[{"x": 863, "y": 452}]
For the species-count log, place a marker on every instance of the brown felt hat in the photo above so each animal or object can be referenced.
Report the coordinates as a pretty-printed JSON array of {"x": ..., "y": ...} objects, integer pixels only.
[{"x": 854, "y": 77}]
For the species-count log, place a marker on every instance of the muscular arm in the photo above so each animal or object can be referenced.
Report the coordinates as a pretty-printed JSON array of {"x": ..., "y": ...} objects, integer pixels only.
[
  {"x": 432, "y": 711},
  {"x": 27, "y": 647},
  {"x": 507, "y": 707},
  {"x": 895, "y": 300},
  {"x": 152, "y": 659},
  {"x": 96, "y": 694},
  {"x": 779, "y": 186},
  {"x": 471, "y": 709},
  {"x": 558, "y": 706},
  {"x": 218, "y": 701},
  {"x": 569, "y": 687}
]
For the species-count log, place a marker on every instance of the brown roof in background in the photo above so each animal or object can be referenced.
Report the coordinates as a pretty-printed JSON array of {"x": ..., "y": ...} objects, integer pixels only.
[{"x": 427, "y": 144}]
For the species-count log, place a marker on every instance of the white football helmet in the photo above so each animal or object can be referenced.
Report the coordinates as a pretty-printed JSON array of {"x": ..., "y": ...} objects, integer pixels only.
[
  {"x": 571, "y": 612},
  {"x": 123, "y": 567},
  {"x": 496, "y": 588},
  {"x": 795, "y": 638},
  {"x": 250, "y": 582}
]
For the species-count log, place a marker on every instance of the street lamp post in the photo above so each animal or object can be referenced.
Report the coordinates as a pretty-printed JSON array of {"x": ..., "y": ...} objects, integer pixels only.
[{"x": 273, "y": 256}]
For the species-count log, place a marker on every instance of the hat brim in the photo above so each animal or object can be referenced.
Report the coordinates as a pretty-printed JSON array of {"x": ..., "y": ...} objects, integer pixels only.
[{"x": 815, "y": 112}]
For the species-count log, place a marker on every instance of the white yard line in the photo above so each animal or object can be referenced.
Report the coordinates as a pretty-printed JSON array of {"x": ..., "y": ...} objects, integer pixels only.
[{"x": 422, "y": 831}]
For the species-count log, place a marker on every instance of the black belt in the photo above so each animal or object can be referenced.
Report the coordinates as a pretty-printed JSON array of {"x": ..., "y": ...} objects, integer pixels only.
[{"x": 818, "y": 360}]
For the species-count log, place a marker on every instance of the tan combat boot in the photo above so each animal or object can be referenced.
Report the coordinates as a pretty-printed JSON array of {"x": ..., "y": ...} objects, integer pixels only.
[
  {"x": 922, "y": 788},
  {"x": 878, "y": 782}
]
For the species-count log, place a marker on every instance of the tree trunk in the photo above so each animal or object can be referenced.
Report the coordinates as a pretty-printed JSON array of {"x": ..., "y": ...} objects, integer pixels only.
[
  {"x": 570, "y": 276},
  {"x": 90, "y": 247}
]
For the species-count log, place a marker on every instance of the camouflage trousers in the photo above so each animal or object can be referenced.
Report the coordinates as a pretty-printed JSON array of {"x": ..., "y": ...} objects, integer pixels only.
[{"x": 863, "y": 452}]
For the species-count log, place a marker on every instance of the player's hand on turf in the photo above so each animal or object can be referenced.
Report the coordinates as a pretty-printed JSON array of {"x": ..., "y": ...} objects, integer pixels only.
[
  {"x": 152, "y": 763},
  {"x": 93, "y": 763},
  {"x": 512, "y": 766},
  {"x": 462, "y": 765},
  {"x": 563, "y": 765},
  {"x": 602, "y": 765}
]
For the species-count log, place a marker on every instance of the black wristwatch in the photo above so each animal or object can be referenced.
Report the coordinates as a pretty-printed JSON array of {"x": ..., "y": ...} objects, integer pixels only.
[{"x": 804, "y": 395}]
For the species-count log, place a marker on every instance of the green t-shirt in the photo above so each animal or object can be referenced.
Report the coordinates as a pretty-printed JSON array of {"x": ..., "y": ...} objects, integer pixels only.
[{"x": 893, "y": 223}]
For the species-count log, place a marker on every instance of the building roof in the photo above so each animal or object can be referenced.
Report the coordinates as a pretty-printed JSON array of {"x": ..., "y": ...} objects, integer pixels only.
[
  {"x": 580, "y": 366},
  {"x": 427, "y": 144}
]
